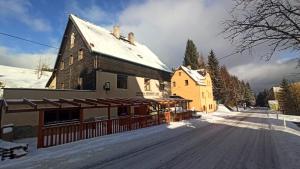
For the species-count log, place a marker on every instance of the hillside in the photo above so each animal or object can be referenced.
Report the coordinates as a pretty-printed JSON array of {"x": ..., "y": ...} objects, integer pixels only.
[{"x": 14, "y": 77}]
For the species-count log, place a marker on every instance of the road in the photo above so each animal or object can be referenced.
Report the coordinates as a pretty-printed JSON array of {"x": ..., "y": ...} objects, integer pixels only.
[
  {"x": 242, "y": 141},
  {"x": 212, "y": 146}
]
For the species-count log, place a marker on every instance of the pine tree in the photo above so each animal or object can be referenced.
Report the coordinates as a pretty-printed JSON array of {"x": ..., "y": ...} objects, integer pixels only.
[
  {"x": 286, "y": 101},
  {"x": 191, "y": 55},
  {"x": 228, "y": 89},
  {"x": 214, "y": 71},
  {"x": 249, "y": 95},
  {"x": 261, "y": 99}
]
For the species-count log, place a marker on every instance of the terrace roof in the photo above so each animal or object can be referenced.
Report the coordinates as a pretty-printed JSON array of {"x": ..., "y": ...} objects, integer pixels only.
[{"x": 29, "y": 105}]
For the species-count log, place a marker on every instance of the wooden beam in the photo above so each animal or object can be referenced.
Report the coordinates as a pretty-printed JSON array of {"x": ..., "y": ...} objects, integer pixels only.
[
  {"x": 52, "y": 102},
  {"x": 102, "y": 101},
  {"x": 70, "y": 102},
  {"x": 85, "y": 101},
  {"x": 112, "y": 101},
  {"x": 30, "y": 103}
]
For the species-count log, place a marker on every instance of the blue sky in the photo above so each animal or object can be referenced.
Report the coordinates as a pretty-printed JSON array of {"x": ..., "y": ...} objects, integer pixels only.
[
  {"x": 53, "y": 14},
  {"x": 163, "y": 25}
]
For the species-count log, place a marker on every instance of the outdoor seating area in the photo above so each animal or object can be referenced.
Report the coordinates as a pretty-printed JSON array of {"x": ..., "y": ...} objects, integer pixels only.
[{"x": 153, "y": 112}]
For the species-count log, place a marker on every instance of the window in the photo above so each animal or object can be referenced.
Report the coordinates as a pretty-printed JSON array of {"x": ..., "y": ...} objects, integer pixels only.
[
  {"x": 62, "y": 65},
  {"x": 58, "y": 116},
  {"x": 161, "y": 86},
  {"x": 122, "y": 81},
  {"x": 123, "y": 111},
  {"x": 80, "y": 79},
  {"x": 72, "y": 40},
  {"x": 80, "y": 54},
  {"x": 96, "y": 62},
  {"x": 62, "y": 85},
  {"x": 147, "y": 84},
  {"x": 174, "y": 84},
  {"x": 71, "y": 60},
  {"x": 186, "y": 82},
  {"x": 179, "y": 73}
]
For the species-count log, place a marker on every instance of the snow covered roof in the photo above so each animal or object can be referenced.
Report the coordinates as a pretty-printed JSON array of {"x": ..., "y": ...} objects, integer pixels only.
[
  {"x": 102, "y": 41},
  {"x": 195, "y": 75},
  {"x": 14, "y": 77}
]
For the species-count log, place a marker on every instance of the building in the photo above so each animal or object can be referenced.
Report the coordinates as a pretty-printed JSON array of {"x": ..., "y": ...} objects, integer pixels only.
[
  {"x": 93, "y": 58},
  {"x": 195, "y": 85},
  {"x": 93, "y": 63}
]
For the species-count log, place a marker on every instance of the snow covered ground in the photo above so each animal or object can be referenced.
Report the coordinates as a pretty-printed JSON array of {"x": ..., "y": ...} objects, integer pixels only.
[
  {"x": 218, "y": 140},
  {"x": 14, "y": 77}
]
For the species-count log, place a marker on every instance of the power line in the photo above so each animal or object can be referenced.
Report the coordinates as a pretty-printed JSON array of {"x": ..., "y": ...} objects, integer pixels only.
[{"x": 27, "y": 40}]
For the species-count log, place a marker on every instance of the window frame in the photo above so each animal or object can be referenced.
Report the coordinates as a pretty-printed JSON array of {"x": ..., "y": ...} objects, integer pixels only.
[
  {"x": 71, "y": 60},
  {"x": 186, "y": 82},
  {"x": 80, "y": 54},
  {"x": 62, "y": 65},
  {"x": 147, "y": 84},
  {"x": 122, "y": 81},
  {"x": 162, "y": 86},
  {"x": 72, "y": 40}
]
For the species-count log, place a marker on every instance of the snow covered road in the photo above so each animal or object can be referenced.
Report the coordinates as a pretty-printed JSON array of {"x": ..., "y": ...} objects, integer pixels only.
[{"x": 219, "y": 140}]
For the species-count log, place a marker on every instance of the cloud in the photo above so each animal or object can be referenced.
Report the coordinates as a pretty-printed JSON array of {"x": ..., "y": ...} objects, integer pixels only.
[
  {"x": 20, "y": 10},
  {"x": 27, "y": 60},
  {"x": 264, "y": 76},
  {"x": 166, "y": 25},
  {"x": 92, "y": 12}
]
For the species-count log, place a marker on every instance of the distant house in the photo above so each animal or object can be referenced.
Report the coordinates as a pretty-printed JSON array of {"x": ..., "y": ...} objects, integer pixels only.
[
  {"x": 93, "y": 58},
  {"x": 195, "y": 85}
]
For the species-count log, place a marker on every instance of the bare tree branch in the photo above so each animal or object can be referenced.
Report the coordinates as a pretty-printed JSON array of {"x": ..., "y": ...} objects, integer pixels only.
[{"x": 273, "y": 23}]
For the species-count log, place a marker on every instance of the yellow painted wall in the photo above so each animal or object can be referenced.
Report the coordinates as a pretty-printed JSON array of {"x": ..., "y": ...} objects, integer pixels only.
[{"x": 199, "y": 94}]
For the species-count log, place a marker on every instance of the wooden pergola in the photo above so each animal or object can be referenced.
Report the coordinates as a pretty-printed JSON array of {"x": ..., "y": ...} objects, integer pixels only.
[{"x": 45, "y": 104}]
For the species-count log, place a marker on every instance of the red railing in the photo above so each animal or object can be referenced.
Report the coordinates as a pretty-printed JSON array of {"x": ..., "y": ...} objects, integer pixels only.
[
  {"x": 57, "y": 134},
  {"x": 182, "y": 116}
]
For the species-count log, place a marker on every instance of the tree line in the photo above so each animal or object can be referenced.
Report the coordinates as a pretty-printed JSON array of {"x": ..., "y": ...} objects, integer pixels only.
[
  {"x": 227, "y": 88},
  {"x": 289, "y": 97}
]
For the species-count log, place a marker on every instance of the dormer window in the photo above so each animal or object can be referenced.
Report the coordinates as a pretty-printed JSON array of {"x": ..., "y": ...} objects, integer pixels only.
[
  {"x": 80, "y": 54},
  {"x": 72, "y": 40}
]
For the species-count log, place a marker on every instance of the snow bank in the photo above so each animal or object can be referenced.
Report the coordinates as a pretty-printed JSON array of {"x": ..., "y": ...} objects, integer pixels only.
[{"x": 222, "y": 108}]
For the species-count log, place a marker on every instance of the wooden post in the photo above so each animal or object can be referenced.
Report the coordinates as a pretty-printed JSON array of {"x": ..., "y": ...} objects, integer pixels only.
[
  {"x": 81, "y": 124},
  {"x": 108, "y": 112},
  {"x": 158, "y": 115},
  {"x": 130, "y": 121},
  {"x": 40, "y": 143},
  {"x": 109, "y": 122}
]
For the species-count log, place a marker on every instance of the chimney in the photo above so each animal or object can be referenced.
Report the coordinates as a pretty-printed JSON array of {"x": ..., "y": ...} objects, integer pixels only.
[
  {"x": 131, "y": 38},
  {"x": 116, "y": 32}
]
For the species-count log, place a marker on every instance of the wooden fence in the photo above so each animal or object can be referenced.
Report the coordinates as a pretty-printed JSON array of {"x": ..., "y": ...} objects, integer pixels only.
[
  {"x": 182, "y": 116},
  {"x": 57, "y": 134},
  {"x": 52, "y": 135}
]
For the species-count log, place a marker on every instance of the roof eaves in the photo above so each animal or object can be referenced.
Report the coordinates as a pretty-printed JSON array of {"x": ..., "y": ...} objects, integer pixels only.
[{"x": 114, "y": 57}]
